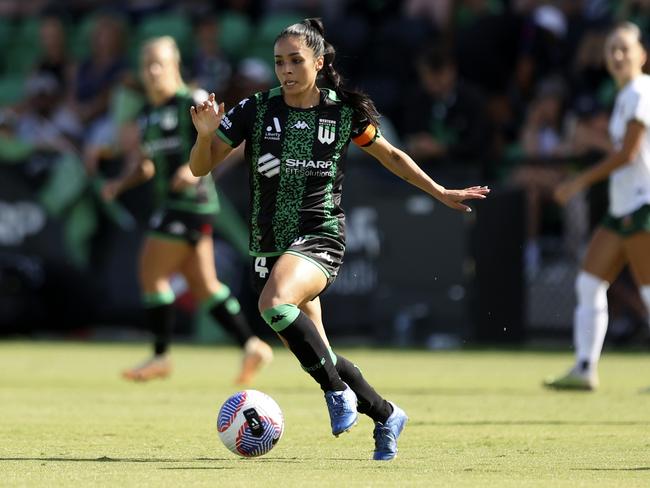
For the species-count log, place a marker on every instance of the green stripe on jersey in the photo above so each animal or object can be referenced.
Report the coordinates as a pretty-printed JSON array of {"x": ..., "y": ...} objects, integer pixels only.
[
  {"x": 297, "y": 144},
  {"x": 331, "y": 222},
  {"x": 256, "y": 197}
]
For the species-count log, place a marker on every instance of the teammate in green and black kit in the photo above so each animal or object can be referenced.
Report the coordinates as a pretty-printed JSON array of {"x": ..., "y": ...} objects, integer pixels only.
[
  {"x": 180, "y": 237},
  {"x": 296, "y": 136}
]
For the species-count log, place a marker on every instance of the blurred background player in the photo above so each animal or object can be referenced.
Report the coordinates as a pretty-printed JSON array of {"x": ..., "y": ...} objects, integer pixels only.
[
  {"x": 296, "y": 135},
  {"x": 624, "y": 234},
  {"x": 180, "y": 237}
]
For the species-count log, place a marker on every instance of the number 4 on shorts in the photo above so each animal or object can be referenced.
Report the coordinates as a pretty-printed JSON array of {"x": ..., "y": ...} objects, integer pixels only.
[{"x": 260, "y": 267}]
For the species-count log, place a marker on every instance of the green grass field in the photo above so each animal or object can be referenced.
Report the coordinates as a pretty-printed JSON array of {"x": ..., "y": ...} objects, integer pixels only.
[{"x": 477, "y": 419}]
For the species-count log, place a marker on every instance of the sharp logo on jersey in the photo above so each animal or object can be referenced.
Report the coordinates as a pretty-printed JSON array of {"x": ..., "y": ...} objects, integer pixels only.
[
  {"x": 308, "y": 163},
  {"x": 270, "y": 135},
  {"x": 301, "y": 124},
  {"x": 326, "y": 131},
  {"x": 268, "y": 165}
]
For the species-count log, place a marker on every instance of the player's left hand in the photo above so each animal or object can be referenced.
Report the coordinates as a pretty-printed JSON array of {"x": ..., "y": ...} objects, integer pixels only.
[
  {"x": 454, "y": 198},
  {"x": 183, "y": 178}
]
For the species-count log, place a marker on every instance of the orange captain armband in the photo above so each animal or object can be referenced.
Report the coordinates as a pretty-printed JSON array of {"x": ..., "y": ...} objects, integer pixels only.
[{"x": 367, "y": 137}]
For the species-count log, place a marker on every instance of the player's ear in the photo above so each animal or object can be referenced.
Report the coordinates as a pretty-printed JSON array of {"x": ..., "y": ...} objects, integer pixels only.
[{"x": 320, "y": 61}]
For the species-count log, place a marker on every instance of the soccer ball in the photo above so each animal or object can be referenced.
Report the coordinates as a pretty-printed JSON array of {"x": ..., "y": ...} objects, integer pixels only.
[{"x": 250, "y": 423}]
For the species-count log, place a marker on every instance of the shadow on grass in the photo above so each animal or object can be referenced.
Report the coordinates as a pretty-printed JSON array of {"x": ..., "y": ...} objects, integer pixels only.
[
  {"x": 532, "y": 422},
  {"x": 105, "y": 459}
]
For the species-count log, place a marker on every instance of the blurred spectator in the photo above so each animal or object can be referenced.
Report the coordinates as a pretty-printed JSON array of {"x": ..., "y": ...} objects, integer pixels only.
[
  {"x": 211, "y": 69},
  {"x": 252, "y": 75},
  {"x": 55, "y": 58},
  {"x": 444, "y": 119},
  {"x": 96, "y": 78},
  {"x": 47, "y": 122},
  {"x": 102, "y": 69},
  {"x": 542, "y": 46},
  {"x": 438, "y": 14},
  {"x": 588, "y": 76},
  {"x": 541, "y": 141}
]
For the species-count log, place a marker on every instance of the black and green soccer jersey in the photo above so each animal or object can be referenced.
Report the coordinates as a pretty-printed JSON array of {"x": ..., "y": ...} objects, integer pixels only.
[
  {"x": 168, "y": 135},
  {"x": 295, "y": 158}
]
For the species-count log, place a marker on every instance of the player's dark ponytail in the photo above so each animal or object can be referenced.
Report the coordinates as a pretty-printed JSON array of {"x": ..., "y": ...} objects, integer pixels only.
[{"x": 313, "y": 33}]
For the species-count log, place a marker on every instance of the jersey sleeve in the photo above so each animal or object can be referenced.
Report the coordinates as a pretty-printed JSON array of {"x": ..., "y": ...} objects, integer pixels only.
[
  {"x": 640, "y": 105},
  {"x": 237, "y": 123},
  {"x": 364, "y": 133}
]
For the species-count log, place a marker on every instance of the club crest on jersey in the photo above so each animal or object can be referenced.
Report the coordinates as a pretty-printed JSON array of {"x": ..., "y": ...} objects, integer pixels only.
[
  {"x": 168, "y": 119},
  {"x": 273, "y": 131},
  {"x": 326, "y": 131}
]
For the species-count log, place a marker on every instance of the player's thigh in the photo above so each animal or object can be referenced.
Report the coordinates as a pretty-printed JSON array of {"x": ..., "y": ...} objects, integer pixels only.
[
  {"x": 159, "y": 259},
  {"x": 292, "y": 279},
  {"x": 605, "y": 255},
  {"x": 637, "y": 249},
  {"x": 199, "y": 269},
  {"x": 312, "y": 309}
]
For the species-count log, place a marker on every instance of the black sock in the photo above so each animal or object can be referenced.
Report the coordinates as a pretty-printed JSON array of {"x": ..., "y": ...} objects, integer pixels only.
[
  {"x": 228, "y": 314},
  {"x": 161, "y": 323},
  {"x": 308, "y": 346},
  {"x": 369, "y": 401}
]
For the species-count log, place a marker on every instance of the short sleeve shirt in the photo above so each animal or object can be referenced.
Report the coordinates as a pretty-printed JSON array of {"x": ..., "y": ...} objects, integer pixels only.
[
  {"x": 167, "y": 136},
  {"x": 296, "y": 160},
  {"x": 629, "y": 185}
]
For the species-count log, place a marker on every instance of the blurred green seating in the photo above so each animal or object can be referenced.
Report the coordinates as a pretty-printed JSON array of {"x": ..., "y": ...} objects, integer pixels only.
[
  {"x": 173, "y": 24},
  {"x": 234, "y": 33},
  {"x": 23, "y": 48},
  {"x": 12, "y": 89},
  {"x": 261, "y": 44}
]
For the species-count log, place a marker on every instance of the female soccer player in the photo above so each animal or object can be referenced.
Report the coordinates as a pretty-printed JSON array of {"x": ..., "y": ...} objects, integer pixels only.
[
  {"x": 180, "y": 237},
  {"x": 624, "y": 234},
  {"x": 296, "y": 136}
]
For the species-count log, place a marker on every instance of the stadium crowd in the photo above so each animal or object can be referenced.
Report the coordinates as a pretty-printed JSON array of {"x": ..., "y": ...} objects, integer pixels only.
[{"x": 510, "y": 91}]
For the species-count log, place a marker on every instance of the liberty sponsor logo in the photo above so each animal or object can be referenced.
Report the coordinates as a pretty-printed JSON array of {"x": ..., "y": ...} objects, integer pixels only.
[
  {"x": 326, "y": 131},
  {"x": 301, "y": 124},
  {"x": 273, "y": 131},
  {"x": 268, "y": 165}
]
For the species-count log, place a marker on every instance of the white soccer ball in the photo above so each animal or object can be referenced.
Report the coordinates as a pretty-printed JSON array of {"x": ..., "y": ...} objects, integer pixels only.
[{"x": 250, "y": 423}]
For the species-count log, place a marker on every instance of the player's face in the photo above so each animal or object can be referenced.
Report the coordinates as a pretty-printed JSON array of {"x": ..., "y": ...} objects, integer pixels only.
[
  {"x": 624, "y": 55},
  {"x": 295, "y": 65},
  {"x": 159, "y": 70}
]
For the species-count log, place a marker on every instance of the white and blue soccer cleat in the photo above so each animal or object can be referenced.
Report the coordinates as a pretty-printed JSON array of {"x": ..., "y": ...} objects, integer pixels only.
[
  {"x": 386, "y": 434},
  {"x": 342, "y": 407}
]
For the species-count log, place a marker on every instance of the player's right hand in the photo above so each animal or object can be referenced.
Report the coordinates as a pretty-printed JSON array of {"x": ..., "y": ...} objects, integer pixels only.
[{"x": 207, "y": 116}]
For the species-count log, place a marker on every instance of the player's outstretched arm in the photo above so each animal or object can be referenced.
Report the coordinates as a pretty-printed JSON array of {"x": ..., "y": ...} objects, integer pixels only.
[
  {"x": 208, "y": 150},
  {"x": 628, "y": 152},
  {"x": 402, "y": 165}
]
